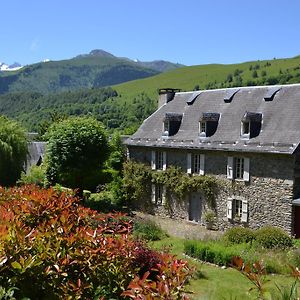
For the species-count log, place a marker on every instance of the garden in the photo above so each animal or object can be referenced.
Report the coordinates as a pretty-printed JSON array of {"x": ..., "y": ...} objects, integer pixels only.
[{"x": 67, "y": 229}]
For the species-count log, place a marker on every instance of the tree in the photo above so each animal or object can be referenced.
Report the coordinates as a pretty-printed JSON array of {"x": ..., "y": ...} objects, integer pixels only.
[
  {"x": 76, "y": 152},
  {"x": 13, "y": 151},
  {"x": 254, "y": 74}
]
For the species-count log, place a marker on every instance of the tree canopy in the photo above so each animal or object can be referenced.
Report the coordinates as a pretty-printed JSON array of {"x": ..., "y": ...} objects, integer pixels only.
[
  {"x": 77, "y": 148},
  {"x": 13, "y": 151}
]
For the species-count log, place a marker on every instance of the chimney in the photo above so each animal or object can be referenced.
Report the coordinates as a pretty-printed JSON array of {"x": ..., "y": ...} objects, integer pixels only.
[{"x": 166, "y": 95}]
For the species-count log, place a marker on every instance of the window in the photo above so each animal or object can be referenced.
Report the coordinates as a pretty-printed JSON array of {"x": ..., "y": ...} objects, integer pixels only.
[
  {"x": 166, "y": 127},
  {"x": 195, "y": 163},
  {"x": 251, "y": 125},
  {"x": 208, "y": 124},
  {"x": 171, "y": 125},
  {"x": 238, "y": 168},
  {"x": 158, "y": 194},
  {"x": 202, "y": 128},
  {"x": 237, "y": 209},
  {"x": 158, "y": 160}
]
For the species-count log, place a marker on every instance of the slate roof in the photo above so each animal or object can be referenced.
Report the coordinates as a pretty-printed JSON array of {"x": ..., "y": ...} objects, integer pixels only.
[
  {"x": 280, "y": 131},
  {"x": 36, "y": 151}
]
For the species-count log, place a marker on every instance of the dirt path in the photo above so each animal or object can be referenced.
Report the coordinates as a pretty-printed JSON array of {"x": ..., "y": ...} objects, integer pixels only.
[{"x": 181, "y": 228}]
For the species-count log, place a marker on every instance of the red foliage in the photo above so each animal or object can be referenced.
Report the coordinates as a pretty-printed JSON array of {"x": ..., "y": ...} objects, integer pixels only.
[{"x": 51, "y": 246}]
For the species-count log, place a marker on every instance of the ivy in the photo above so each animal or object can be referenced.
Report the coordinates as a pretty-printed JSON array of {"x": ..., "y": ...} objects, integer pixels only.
[{"x": 138, "y": 177}]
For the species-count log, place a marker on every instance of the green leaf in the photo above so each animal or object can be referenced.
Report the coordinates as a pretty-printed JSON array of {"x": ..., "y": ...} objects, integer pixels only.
[{"x": 16, "y": 265}]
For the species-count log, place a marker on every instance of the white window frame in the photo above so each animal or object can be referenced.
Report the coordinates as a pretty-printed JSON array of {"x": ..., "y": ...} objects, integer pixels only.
[
  {"x": 166, "y": 128},
  {"x": 238, "y": 168},
  {"x": 158, "y": 196},
  {"x": 237, "y": 208},
  {"x": 158, "y": 160},
  {"x": 244, "y": 134},
  {"x": 202, "y": 128},
  {"x": 195, "y": 163}
]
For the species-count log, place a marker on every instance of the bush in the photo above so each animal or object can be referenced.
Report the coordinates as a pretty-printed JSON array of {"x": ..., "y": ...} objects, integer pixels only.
[
  {"x": 239, "y": 235},
  {"x": 214, "y": 252},
  {"x": 273, "y": 237},
  {"x": 53, "y": 248},
  {"x": 36, "y": 175},
  {"x": 147, "y": 230}
]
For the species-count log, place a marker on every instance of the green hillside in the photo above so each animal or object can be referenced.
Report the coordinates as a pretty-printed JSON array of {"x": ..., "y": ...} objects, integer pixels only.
[
  {"x": 91, "y": 71},
  {"x": 267, "y": 72},
  {"x": 126, "y": 105}
]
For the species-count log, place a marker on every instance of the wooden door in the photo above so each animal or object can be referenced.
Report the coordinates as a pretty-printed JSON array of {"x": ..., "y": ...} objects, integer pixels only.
[
  {"x": 195, "y": 209},
  {"x": 297, "y": 221}
]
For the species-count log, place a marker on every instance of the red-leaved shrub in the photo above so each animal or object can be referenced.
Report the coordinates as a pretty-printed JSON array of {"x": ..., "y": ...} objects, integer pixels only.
[{"x": 51, "y": 247}]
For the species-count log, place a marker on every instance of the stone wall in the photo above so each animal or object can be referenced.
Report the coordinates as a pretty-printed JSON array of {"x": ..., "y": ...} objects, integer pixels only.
[{"x": 269, "y": 192}]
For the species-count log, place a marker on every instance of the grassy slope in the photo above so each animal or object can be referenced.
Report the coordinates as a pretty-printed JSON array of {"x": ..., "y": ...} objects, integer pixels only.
[
  {"x": 72, "y": 74},
  {"x": 217, "y": 283},
  {"x": 187, "y": 78}
]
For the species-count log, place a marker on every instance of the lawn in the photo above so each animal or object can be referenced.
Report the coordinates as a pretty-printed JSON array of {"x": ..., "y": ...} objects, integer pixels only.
[{"x": 215, "y": 283}]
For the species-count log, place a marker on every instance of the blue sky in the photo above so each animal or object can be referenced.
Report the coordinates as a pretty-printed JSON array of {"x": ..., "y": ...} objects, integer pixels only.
[{"x": 189, "y": 31}]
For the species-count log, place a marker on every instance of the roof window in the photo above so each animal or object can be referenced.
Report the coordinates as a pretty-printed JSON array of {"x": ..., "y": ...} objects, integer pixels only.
[
  {"x": 269, "y": 96},
  {"x": 208, "y": 124},
  {"x": 251, "y": 125},
  {"x": 172, "y": 122},
  {"x": 230, "y": 94}
]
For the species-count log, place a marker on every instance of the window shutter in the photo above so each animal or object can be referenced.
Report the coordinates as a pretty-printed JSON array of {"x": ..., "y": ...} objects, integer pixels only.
[
  {"x": 244, "y": 217},
  {"x": 230, "y": 167},
  {"x": 229, "y": 208},
  {"x": 202, "y": 164},
  {"x": 246, "y": 175},
  {"x": 164, "y": 160},
  {"x": 189, "y": 163},
  {"x": 164, "y": 194},
  {"x": 153, "y": 195},
  {"x": 153, "y": 160}
]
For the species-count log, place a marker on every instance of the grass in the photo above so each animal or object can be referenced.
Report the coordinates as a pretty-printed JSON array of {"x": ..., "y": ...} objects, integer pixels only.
[
  {"x": 216, "y": 283},
  {"x": 187, "y": 78}
]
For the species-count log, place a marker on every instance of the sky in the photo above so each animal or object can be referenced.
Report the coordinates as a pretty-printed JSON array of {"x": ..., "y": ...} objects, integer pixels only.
[{"x": 190, "y": 32}]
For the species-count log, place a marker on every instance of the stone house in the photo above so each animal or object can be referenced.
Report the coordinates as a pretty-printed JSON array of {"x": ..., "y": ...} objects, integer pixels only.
[{"x": 247, "y": 137}]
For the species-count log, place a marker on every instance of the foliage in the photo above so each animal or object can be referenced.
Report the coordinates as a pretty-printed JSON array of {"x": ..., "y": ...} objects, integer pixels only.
[
  {"x": 73, "y": 74},
  {"x": 117, "y": 153},
  {"x": 239, "y": 235},
  {"x": 66, "y": 251},
  {"x": 13, "y": 151},
  {"x": 255, "y": 273},
  {"x": 213, "y": 252},
  {"x": 136, "y": 182},
  {"x": 147, "y": 230},
  {"x": 138, "y": 178},
  {"x": 173, "y": 275},
  {"x": 36, "y": 175},
  {"x": 76, "y": 152},
  {"x": 273, "y": 237}
]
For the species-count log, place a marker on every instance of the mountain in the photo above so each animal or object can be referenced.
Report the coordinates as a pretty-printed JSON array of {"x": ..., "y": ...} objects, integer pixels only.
[
  {"x": 96, "y": 69},
  {"x": 14, "y": 67},
  {"x": 125, "y": 106}
]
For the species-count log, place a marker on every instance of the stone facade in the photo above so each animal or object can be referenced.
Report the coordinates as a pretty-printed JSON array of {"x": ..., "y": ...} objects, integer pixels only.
[{"x": 269, "y": 192}]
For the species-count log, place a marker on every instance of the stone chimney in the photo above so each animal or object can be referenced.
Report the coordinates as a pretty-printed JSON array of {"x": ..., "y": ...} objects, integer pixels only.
[{"x": 166, "y": 95}]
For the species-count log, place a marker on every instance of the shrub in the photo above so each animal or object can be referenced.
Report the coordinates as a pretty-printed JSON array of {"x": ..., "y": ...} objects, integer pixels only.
[
  {"x": 214, "y": 252},
  {"x": 66, "y": 251},
  {"x": 36, "y": 175},
  {"x": 147, "y": 230},
  {"x": 239, "y": 235},
  {"x": 273, "y": 237}
]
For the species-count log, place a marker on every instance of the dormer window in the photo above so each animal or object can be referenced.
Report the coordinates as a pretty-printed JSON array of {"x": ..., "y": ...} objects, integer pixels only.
[
  {"x": 202, "y": 128},
  {"x": 208, "y": 124},
  {"x": 171, "y": 124},
  {"x": 251, "y": 125}
]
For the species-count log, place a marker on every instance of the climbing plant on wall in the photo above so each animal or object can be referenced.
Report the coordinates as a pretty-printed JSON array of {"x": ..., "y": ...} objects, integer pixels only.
[{"x": 139, "y": 177}]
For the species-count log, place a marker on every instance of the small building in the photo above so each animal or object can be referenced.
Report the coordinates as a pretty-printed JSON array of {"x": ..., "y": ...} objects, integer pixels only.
[
  {"x": 247, "y": 137},
  {"x": 35, "y": 157}
]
